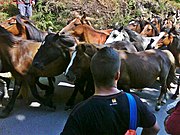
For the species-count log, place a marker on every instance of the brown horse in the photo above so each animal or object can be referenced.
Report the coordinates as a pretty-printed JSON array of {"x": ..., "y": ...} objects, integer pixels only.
[
  {"x": 17, "y": 56},
  {"x": 76, "y": 21},
  {"x": 137, "y": 25},
  {"x": 138, "y": 70},
  {"x": 24, "y": 28},
  {"x": 89, "y": 35},
  {"x": 12, "y": 26},
  {"x": 152, "y": 28},
  {"x": 83, "y": 30}
]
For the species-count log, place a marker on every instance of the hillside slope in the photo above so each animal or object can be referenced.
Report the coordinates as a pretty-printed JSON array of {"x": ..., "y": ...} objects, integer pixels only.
[{"x": 105, "y": 13}]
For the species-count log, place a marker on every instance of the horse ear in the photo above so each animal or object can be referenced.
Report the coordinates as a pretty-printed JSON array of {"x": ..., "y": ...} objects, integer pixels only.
[
  {"x": 49, "y": 30},
  {"x": 119, "y": 29},
  {"x": 83, "y": 18},
  {"x": 84, "y": 15}
]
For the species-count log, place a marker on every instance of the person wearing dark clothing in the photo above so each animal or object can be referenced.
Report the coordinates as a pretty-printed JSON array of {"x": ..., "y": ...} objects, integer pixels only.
[
  {"x": 107, "y": 111},
  {"x": 172, "y": 121}
]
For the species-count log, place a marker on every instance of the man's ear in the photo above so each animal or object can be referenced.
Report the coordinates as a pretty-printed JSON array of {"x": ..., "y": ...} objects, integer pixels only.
[{"x": 117, "y": 76}]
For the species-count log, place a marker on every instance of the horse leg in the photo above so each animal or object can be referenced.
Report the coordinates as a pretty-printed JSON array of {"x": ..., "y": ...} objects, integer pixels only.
[
  {"x": 2, "y": 91},
  {"x": 79, "y": 86},
  {"x": 6, "y": 111},
  {"x": 5, "y": 82},
  {"x": 177, "y": 90},
  {"x": 160, "y": 98},
  {"x": 40, "y": 85},
  {"x": 45, "y": 101},
  {"x": 6, "y": 87},
  {"x": 49, "y": 89}
]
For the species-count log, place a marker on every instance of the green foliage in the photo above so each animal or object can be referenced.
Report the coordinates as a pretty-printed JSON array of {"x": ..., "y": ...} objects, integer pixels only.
[
  {"x": 50, "y": 14},
  {"x": 7, "y": 10},
  {"x": 56, "y": 13}
]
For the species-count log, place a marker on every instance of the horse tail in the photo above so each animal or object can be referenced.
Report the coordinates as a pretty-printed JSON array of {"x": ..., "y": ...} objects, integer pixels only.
[{"x": 172, "y": 72}]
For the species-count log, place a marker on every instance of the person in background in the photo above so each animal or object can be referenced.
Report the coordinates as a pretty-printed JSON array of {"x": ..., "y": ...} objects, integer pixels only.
[
  {"x": 25, "y": 7},
  {"x": 172, "y": 121},
  {"x": 107, "y": 111}
]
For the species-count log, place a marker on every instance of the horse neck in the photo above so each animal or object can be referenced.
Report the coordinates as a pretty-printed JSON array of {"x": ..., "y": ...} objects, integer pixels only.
[
  {"x": 134, "y": 35},
  {"x": 94, "y": 36}
]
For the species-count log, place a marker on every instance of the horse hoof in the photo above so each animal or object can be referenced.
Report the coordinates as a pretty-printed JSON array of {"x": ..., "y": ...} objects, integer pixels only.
[{"x": 158, "y": 107}]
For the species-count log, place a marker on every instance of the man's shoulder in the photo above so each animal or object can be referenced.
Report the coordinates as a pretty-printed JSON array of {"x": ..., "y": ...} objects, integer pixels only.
[{"x": 82, "y": 105}]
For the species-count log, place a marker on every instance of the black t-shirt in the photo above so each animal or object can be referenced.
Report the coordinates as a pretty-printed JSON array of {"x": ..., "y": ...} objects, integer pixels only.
[{"x": 106, "y": 115}]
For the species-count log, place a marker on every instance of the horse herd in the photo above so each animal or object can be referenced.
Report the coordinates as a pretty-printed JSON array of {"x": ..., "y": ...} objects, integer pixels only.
[{"x": 29, "y": 53}]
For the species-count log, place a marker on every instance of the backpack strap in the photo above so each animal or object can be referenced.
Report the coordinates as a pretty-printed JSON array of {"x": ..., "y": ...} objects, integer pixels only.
[{"x": 133, "y": 112}]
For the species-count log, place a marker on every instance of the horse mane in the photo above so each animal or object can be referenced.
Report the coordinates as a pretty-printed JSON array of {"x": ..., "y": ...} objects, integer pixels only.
[
  {"x": 134, "y": 36},
  {"x": 67, "y": 39},
  {"x": 89, "y": 49},
  {"x": 32, "y": 32},
  {"x": 7, "y": 37}
]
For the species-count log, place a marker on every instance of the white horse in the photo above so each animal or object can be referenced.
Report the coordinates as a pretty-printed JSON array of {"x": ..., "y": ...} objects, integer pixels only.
[{"x": 123, "y": 33}]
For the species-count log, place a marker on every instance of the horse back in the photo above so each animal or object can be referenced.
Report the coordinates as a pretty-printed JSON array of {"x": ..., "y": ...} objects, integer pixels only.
[{"x": 141, "y": 69}]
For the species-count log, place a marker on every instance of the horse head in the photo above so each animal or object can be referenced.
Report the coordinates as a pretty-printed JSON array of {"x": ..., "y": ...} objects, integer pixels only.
[
  {"x": 157, "y": 22},
  {"x": 134, "y": 25},
  {"x": 167, "y": 25},
  {"x": 12, "y": 26},
  {"x": 137, "y": 25},
  {"x": 118, "y": 35},
  {"x": 9, "y": 22},
  {"x": 150, "y": 30},
  {"x": 80, "y": 61},
  {"x": 53, "y": 47},
  {"x": 79, "y": 20}
]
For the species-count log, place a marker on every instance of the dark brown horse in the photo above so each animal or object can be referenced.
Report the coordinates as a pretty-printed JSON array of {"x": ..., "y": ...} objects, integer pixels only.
[
  {"x": 17, "y": 56},
  {"x": 152, "y": 28},
  {"x": 172, "y": 43},
  {"x": 138, "y": 70},
  {"x": 50, "y": 52}
]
